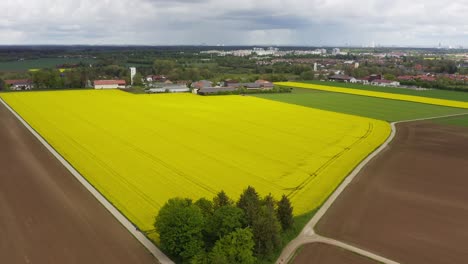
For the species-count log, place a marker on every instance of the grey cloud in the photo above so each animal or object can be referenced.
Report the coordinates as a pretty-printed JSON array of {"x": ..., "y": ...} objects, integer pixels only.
[{"x": 299, "y": 22}]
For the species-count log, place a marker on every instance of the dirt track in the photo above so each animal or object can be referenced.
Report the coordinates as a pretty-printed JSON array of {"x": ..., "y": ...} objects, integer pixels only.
[
  {"x": 46, "y": 216},
  {"x": 326, "y": 254},
  {"x": 410, "y": 203}
]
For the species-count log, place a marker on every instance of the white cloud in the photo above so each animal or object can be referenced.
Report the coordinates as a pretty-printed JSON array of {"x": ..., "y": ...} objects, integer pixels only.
[{"x": 310, "y": 22}]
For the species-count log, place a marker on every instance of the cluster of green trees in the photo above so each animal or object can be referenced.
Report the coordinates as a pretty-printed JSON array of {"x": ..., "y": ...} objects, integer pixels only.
[
  {"x": 222, "y": 230},
  {"x": 440, "y": 83}
]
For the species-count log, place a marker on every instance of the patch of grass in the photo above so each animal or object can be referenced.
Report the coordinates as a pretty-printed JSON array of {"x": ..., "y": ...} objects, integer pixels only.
[
  {"x": 454, "y": 121},
  {"x": 440, "y": 94},
  {"x": 26, "y": 65},
  {"x": 373, "y": 107}
]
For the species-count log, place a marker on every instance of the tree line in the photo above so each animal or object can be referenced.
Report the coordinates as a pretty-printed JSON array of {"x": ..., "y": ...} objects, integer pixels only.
[{"x": 222, "y": 230}]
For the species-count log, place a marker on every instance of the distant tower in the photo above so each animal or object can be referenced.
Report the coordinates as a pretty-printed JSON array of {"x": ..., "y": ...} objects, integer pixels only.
[
  {"x": 315, "y": 66},
  {"x": 132, "y": 74}
]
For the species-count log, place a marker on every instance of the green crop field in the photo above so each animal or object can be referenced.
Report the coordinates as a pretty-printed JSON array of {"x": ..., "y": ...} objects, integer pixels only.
[
  {"x": 455, "y": 120},
  {"x": 378, "y": 108},
  {"x": 26, "y": 65},
  {"x": 441, "y": 94}
]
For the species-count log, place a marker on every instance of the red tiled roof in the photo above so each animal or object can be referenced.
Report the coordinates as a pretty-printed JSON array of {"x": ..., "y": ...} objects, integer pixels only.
[
  {"x": 406, "y": 78},
  {"x": 109, "y": 82},
  {"x": 19, "y": 81}
]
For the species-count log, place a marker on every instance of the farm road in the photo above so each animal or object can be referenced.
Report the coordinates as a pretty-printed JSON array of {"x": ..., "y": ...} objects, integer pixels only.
[{"x": 46, "y": 215}]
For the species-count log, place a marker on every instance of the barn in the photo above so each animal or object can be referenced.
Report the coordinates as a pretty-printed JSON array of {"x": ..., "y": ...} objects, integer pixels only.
[{"x": 109, "y": 84}]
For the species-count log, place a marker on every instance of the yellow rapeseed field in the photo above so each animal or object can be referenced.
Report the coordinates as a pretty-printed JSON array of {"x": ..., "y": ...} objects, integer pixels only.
[
  {"x": 401, "y": 97},
  {"x": 141, "y": 150}
]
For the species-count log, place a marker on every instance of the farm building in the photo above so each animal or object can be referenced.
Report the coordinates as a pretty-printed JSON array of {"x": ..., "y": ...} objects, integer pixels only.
[
  {"x": 173, "y": 88},
  {"x": 341, "y": 78},
  {"x": 207, "y": 91},
  {"x": 109, "y": 84},
  {"x": 202, "y": 84},
  {"x": 258, "y": 85},
  {"x": 265, "y": 84},
  {"x": 18, "y": 85}
]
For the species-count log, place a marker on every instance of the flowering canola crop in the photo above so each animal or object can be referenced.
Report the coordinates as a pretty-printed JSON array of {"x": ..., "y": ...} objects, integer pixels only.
[
  {"x": 141, "y": 150},
  {"x": 401, "y": 97}
]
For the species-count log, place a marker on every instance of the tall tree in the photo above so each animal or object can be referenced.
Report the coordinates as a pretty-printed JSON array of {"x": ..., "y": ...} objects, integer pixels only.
[
  {"x": 225, "y": 220},
  {"x": 180, "y": 224},
  {"x": 266, "y": 230},
  {"x": 236, "y": 247},
  {"x": 249, "y": 201},
  {"x": 284, "y": 212},
  {"x": 206, "y": 207},
  {"x": 221, "y": 199}
]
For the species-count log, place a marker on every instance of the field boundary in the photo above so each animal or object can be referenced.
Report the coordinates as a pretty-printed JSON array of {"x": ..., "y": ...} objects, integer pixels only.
[
  {"x": 384, "y": 95},
  {"x": 308, "y": 234},
  {"x": 156, "y": 252}
]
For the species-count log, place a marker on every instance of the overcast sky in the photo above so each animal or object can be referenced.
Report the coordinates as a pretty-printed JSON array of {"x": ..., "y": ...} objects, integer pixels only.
[{"x": 244, "y": 22}]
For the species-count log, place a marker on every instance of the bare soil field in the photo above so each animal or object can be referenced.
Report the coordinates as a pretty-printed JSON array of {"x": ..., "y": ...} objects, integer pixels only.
[
  {"x": 46, "y": 215},
  {"x": 325, "y": 254},
  {"x": 409, "y": 204}
]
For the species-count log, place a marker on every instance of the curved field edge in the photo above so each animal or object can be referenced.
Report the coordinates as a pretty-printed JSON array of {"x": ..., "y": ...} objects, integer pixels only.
[
  {"x": 430, "y": 93},
  {"x": 372, "y": 107},
  {"x": 402, "y": 97},
  {"x": 88, "y": 139}
]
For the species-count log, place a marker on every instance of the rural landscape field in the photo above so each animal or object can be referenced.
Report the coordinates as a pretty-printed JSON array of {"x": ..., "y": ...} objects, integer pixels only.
[
  {"x": 233, "y": 132},
  {"x": 141, "y": 150}
]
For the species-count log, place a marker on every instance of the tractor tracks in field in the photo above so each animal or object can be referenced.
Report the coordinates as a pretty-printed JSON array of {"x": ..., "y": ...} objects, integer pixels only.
[
  {"x": 308, "y": 234},
  {"x": 329, "y": 162}
]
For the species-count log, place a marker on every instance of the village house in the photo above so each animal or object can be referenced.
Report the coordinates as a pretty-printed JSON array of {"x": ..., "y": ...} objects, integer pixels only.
[
  {"x": 109, "y": 84},
  {"x": 202, "y": 84},
  {"x": 386, "y": 83},
  {"x": 341, "y": 78},
  {"x": 156, "y": 78},
  {"x": 19, "y": 85},
  {"x": 229, "y": 83}
]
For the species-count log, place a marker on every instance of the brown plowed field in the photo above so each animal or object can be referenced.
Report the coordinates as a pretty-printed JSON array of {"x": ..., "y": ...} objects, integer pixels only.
[
  {"x": 46, "y": 215},
  {"x": 410, "y": 203},
  {"x": 325, "y": 254}
]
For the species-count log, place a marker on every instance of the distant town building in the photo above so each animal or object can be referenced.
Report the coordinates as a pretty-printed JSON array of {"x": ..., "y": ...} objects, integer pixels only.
[{"x": 109, "y": 84}]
